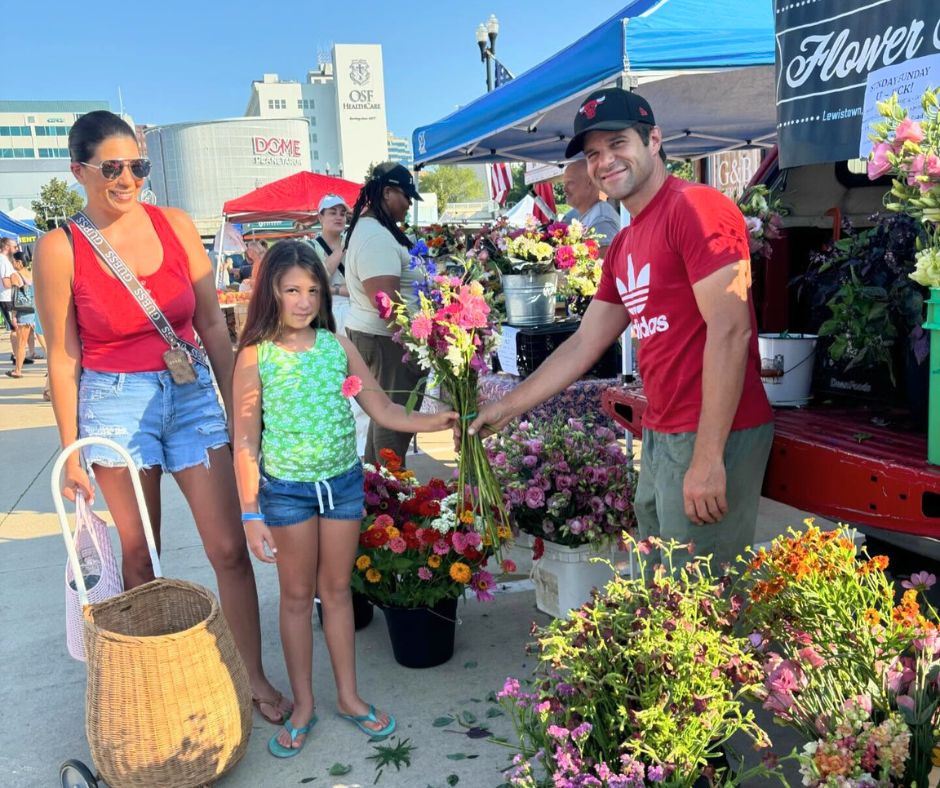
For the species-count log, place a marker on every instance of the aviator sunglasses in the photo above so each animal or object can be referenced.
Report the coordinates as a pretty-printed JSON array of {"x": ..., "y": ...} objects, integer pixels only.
[{"x": 111, "y": 169}]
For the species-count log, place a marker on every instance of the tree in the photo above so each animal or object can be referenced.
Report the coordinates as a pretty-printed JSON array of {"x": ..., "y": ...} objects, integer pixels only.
[
  {"x": 451, "y": 184},
  {"x": 519, "y": 188},
  {"x": 55, "y": 204}
]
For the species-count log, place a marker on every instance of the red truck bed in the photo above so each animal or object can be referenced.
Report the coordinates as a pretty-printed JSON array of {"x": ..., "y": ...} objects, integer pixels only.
[{"x": 838, "y": 463}]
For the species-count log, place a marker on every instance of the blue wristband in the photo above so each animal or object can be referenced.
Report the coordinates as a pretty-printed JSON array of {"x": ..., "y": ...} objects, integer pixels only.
[{"x": 249, "y": 516}]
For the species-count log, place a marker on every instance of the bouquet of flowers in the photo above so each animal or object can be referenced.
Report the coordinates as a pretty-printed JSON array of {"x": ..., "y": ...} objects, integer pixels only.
[
  {"x": 641, "y": 686},
  {"x": 577, "y": 252},
  {"x": 830, "y": 610},
  {"x": 453, "y": 336},
  {"x": 443, "y": 240},
  {"x": 565, "y": 480},
  {"x": 414, "y": 550},
  {"x": 763, "y": 215},
  {"x": 529, "y": 250},
  {"x": 910, "y": 151}
]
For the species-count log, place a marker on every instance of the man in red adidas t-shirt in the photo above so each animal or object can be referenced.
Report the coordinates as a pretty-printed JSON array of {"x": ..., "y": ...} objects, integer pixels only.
[{"x": 679, "y": 275}]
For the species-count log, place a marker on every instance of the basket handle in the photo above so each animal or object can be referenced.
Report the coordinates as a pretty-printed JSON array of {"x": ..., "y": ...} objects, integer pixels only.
[{"x": 63, "y": 518}]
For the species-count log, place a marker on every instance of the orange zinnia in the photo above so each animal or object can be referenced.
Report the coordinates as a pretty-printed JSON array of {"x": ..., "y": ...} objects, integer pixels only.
[{"x": 460, "y": 573}]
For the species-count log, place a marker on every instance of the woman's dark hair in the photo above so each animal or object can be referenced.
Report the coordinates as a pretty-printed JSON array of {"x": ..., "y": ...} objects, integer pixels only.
[
  {"x": 370, "y": 196},
  {"x": 263, "y": 323},
  {"x": 93, "y": 128}
]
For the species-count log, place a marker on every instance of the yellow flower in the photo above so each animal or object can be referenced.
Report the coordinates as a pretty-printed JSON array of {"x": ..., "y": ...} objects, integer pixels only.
[
  {"x": 363, "y": 562},
  {"x": 434, "y": 561},
  {"x": 392, "y": 531},
  {"x": 487, "y": 539},
  {"x": 466, "y": 516},
  {"x": 872, "y": 617},
  {"x": 503, "y": 532},
  {"x": 460, "y": 572},
  {"x": 373, "y": 575}
]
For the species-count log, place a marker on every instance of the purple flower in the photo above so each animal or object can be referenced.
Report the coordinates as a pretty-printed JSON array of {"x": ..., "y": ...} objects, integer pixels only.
[
  {"x": 535, "y": 497},
  {"x": 424, "y": 573},
  {"x": 920, "y": 581},
  {"x": 656, "y": 774},
  {"x": 530, "y": 461},
  {"x": 557, "y": 732}
]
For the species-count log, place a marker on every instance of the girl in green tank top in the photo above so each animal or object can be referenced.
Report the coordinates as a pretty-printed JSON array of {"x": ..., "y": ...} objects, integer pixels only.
[{"x": 299, "y": 477}]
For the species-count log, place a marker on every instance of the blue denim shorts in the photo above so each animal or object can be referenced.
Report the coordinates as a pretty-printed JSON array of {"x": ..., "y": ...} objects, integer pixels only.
[
  {"x": 338, "y": 498},
  {"x": 160, "y": 423}
]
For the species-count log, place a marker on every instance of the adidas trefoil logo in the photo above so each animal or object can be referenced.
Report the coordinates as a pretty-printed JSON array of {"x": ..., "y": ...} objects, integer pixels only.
[{"x": 634, "y": 296}]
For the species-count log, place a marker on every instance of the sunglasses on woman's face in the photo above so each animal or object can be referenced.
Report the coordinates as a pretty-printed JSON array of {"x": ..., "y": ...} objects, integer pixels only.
[{"x": 111, "y": 169}]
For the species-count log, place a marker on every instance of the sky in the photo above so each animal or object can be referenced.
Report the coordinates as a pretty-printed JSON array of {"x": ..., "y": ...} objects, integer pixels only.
[{"x": 179, "y": 61}]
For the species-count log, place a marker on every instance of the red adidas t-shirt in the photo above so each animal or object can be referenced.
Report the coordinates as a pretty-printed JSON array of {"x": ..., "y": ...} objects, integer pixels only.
[{"x": 685, "y": 233}]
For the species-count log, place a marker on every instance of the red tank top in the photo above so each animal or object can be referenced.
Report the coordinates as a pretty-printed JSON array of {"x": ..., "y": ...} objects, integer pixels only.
[{"x": 115, "y": 333}]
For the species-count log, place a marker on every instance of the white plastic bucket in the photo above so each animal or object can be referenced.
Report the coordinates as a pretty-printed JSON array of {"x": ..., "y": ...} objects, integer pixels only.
[{"x": 786, "y": 362}]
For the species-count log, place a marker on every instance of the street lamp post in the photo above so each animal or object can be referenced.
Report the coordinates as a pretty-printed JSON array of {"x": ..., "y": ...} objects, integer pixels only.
[{"x": 486, "y": 39}]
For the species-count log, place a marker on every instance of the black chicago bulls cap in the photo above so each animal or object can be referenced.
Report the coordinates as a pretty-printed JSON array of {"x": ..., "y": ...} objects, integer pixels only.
[{"x": 610, "y": 109}]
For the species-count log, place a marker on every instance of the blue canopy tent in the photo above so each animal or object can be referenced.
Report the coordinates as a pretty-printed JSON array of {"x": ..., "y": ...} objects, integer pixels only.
[
  {"x": 14, "y": 229},
  {"x": 706, "y": 66}
]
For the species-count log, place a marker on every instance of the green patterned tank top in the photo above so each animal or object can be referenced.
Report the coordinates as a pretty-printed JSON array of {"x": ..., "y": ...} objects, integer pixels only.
[{"x": 309, "y": 432}]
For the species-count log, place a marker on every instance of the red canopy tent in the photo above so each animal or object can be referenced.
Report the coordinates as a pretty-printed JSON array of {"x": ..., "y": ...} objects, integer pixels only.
[{"x": 293, "y": 198}]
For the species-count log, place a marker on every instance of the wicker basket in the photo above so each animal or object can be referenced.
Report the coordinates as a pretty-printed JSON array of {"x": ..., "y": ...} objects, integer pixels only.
[{"x": 168, "y": 699}]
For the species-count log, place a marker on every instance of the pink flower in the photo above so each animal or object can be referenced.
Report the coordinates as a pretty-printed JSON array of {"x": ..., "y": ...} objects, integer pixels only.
[
  {"x": 914, "y": 168},
  {"x": 473, "y": 539},
  {"x": 352, "y": 386},
  {"x": 421, "y": 327},
  {"x": 565, "y": 257},
  {"x": 933, "y": 165},
  {"x": 384, "y": 304},
  {"x": 459, "y": 541},
  {"x": 810, "y": 656},
  {"x": 908, "y": 131},
  {"x": 424, "y": 573},
  {"x": 920, "y": 581},
  {"x": 509, "y": 565},
  {"x": 441, "y": 547},
  {"x": 397, "y": 545},
  {"x": 878, "y": 164},
  {"x": 481, "y": 583}
]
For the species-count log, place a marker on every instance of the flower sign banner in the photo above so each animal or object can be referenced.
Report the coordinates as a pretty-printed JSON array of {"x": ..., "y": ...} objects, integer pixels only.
[{"x": 825, "y": 52}]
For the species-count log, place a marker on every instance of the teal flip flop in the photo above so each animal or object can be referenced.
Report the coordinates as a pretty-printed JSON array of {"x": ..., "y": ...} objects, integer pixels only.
[
  {"x": 278, "y": 750},
  {"x": 370, "y": 717}
]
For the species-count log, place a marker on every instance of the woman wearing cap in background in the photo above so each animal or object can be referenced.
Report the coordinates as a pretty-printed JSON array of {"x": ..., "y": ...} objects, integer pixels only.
[
  {"x": 377, "y": 261},
  {"x": 328, "y": 246}
]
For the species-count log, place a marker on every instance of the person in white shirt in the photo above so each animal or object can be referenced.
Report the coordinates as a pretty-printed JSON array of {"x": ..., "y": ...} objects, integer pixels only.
[
  {"x": 8, "y": 247},
  {"x": 587, "y": 206},
  {"x": 377, "y": 261}
]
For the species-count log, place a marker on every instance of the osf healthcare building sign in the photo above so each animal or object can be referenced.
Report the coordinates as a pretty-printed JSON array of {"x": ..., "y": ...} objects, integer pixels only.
[{"x": 825, "y": 50}]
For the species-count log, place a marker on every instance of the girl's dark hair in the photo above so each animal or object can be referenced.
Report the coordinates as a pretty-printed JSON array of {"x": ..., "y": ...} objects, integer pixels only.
[
  {"x": 93, "y": 128},
  {"x": 370, "y": 196},
  {"x": 263, "y": 323}
]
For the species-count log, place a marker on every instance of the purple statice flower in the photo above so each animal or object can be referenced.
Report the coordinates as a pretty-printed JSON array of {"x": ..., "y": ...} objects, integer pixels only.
[{"x": 557, "y": 732}]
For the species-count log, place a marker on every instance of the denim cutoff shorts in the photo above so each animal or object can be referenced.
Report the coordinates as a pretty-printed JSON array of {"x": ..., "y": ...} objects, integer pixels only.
[
  {"x": 160, "y": 423},
  {"x": 285, "y": 503}
]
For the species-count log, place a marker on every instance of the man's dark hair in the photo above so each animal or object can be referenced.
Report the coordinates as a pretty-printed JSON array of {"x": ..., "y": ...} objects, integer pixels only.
[{"x": 644, "y": 129}]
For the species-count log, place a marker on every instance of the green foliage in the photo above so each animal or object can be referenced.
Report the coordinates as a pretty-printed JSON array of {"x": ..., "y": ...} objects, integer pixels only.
[
  {"x": 861, "y": 328},
  {"x": 55, "y": 204},
  {"x": 681, "y": 169},
  {"x": 451, "y": 184},
  {"x": 395, "y": 754}
]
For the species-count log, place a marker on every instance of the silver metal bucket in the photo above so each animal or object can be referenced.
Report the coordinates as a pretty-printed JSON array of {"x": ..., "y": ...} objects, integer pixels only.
[{"x": 530, "y": 298}]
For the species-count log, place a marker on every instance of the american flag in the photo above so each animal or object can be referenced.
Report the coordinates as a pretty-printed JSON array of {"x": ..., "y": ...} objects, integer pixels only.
[
  {"x": 500, "y": 181},
  {"x": 503, "y": 74},
  {"x": 544, "y": 210}
]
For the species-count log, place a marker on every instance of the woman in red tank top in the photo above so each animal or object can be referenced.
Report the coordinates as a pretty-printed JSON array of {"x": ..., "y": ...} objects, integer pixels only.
[{"x": 108, "y": 376}]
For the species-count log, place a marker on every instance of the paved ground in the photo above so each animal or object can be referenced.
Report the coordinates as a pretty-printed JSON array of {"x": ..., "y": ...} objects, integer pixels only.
[{"x": 42, "y": 694}]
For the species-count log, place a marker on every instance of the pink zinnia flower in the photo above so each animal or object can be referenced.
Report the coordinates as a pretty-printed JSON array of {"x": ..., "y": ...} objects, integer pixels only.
[
  {"x": 908, "y": 131},
  {"x": 441, "y": 547},
  {"x": 424, "y": 573},
  {"x": 460, "y": 541},
  {"x": 509, "y": 565},
  {"x": 352, "y": 386},
  {"x": 397, "y": 545},
  {"x": 565, "y": 257},
  {"x": 384, "y": 304},
  {"x": 481, "y": 583},
  {"x": 421, "y": 327}
]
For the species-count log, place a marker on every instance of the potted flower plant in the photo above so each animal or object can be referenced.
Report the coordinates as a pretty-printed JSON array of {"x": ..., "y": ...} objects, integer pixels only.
[
  {"x": 569, "y": 485},
  {"x": 644, "y": 685},
  {"x": 417, "y": 555},
  {"x": 851, "y": 670}
]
